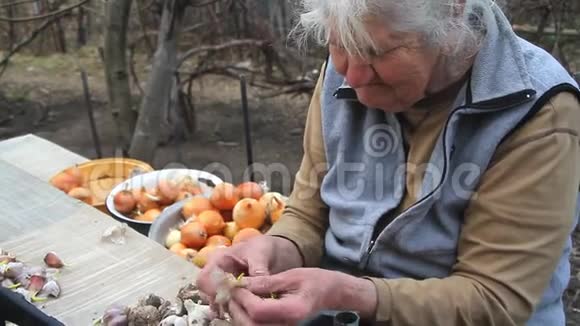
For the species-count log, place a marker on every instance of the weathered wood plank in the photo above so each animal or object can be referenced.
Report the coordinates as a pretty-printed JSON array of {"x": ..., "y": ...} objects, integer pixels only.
[
  {"x": 37, "y": 218},
  {"x": 27, "y": 204},
  {"x": 37, "y": 156}
]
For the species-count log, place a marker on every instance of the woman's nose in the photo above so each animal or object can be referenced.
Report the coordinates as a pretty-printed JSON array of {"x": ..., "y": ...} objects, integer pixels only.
[{"x": 359, "y": 73}]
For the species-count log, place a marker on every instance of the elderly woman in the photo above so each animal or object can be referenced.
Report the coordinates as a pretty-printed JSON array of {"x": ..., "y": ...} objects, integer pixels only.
[{"x": 439, "y": 181}]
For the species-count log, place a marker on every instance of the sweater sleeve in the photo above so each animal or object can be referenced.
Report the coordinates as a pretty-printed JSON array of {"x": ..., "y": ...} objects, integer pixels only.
[
  {"x": 515, "y": 229},
  {"x": 305, "y": 218}
]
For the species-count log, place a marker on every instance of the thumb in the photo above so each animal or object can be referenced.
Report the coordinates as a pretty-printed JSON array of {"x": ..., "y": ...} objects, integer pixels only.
[{"x": 258, "y": 265}]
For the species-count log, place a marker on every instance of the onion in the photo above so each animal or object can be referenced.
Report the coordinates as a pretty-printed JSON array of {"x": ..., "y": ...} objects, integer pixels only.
[
  {"x": 173, "y": 237},
  {"x": 124, "y": 201}
]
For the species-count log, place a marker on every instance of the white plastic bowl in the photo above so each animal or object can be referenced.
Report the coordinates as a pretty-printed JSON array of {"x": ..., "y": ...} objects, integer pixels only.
[{"x": 148, "y": 180}]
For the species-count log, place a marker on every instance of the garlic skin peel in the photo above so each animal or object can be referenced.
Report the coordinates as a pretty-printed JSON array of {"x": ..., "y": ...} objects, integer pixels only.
[{"x": 197, "y": 314}]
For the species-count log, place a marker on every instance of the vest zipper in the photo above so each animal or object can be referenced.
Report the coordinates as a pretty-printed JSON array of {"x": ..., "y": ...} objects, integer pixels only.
[{"x": 386, "y": 220}]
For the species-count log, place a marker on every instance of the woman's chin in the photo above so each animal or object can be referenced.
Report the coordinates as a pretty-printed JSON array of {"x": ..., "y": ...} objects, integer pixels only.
[
  {"x": 376, "y": 100},
  {"x": 382, "y": 104}
]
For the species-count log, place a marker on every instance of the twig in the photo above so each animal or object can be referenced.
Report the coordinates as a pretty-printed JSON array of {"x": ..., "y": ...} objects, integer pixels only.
[
  {"x": 219, "y": 47},
  {"x": 16, "y": 3},
  {"x": 26, "y": 41},
  {"x": 93, "y": 10},
  {"x": 48, "y": 15},
  {"x": 568, "y": 32},
  {"x": 203, "y": 4},
  {"x": 304, "y": 87},
  {"x": 133, "y": 71},
  {"x": 142, "y": 26}
]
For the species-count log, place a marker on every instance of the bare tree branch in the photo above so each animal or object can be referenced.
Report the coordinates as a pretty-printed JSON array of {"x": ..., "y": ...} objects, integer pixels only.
[
  {"x": 219, "y": 47},
  {"x": 26, "y": 41},
  {"x": 48, "y": 15},
  {"x": 16, "y": 3}
]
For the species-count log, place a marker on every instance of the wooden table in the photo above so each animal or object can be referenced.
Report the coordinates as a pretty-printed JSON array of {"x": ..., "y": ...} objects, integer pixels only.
[{"x": 36, "y": 218}]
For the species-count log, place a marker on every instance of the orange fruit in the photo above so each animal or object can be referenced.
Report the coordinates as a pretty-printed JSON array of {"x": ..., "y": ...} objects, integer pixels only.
[
  {"x": 177, "y": 247},
  {"x": 212, "y": 221},
  {"x": 249, "y": 190},
  {"x": 224, "y": 196},
  {"x": 204, "y": 255},
  {"x": 249, "y": 213},
  {"x": 231, "y": 230},
  {"x": 193, "y": 235},
  {"x": 196, "y": 206},
  {"x": 149, "y": 216},
  {"x": 245, "y": 234},
  {"x": 218, "y": 240}
]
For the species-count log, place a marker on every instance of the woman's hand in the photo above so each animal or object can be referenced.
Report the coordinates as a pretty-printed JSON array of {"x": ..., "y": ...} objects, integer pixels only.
[
  {"x": 298, "y": 295},
  {"x": 259, "y": 256}
]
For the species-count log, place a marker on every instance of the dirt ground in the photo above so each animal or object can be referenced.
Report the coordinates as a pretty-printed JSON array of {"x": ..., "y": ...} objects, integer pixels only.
[{"x": 43, "y": 96}]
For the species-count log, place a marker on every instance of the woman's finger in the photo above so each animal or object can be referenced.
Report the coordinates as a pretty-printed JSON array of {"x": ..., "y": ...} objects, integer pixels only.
[
  {"x": 266, "y": 310},
  {"x": 265, "y": 286},
  {"x": 226, "y": 262}
]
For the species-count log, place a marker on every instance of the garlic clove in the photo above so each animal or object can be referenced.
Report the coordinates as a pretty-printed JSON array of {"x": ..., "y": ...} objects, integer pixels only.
[
  {"x": 119, "y": 320},
  {"x": 23, "y": 279},
  {"x": 51, "y": 259},
  {"x": 35, "y": 270},
  {"x": 50, "y": 289},
  {"x": 174, "y": 321},
  {"x": 181, "y": 321},
  {"x": 113, "y": 312},
  {"x": 13, "y": 269},
  {"x": 36, "y": 283},
  {"x": 8, "y": 283},
  {"x": 6, "y": 258}
]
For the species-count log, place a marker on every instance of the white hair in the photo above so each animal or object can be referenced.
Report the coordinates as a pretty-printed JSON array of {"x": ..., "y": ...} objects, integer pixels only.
[{"x": 456, "y": 25}]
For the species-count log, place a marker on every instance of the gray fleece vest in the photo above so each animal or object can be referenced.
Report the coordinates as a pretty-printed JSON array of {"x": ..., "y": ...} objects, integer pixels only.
[{"x": 510, "y": 80}]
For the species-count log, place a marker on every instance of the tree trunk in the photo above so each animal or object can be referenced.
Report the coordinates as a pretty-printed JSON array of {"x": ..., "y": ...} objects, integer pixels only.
[
  {"x": 159, "y": 87},
  {"x": 116, "y": 72},
  {"x": 81, "y": 28},
  {"x": 60, "y": 37},
  {"x": 11, "y": 30}
]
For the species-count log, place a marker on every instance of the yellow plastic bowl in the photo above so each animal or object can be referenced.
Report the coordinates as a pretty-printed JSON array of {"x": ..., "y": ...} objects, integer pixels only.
[{"x": 102, "y": 175}]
